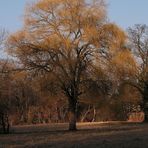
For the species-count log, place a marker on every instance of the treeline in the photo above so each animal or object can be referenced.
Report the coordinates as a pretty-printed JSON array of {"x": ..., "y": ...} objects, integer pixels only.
[
  {"x": 68, "y": 63},
  {"x": 27, "y": 99}
]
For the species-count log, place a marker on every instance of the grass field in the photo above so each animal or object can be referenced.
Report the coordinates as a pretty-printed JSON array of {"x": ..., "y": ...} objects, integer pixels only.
[{"x": 89, "y": 135}]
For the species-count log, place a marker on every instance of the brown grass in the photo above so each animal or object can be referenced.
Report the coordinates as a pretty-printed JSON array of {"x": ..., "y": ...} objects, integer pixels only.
[{"x": 89, "y": 135}]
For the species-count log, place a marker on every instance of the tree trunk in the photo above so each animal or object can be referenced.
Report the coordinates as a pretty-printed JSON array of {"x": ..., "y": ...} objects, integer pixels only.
[
  {"x": 7, "y": 124},
  {"x": 94, "y": 115},
  {"x": 72, "y": 114},
  {"x": 145, "y": 110},
  {"x": 85, "y": 115},
  {"x": 145, "y": 102},
  {"x": 4, "y": 123}
]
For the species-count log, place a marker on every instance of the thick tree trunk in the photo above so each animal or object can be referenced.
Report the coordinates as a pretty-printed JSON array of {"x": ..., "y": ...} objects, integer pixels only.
[
  {"x": 72, "y": 114},
  {"x": 72, "y": 121}
]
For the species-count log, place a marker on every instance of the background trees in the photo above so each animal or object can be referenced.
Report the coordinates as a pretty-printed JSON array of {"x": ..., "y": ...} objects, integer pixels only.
[
  {"x": 138, "y": 36},
  {"x": 68, "y": 63}
]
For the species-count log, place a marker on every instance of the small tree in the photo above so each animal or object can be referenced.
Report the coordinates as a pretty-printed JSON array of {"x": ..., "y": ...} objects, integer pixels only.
[
  {"x": 24, "y": 95},
  {"x": 5, "y": 96},
  {"x": 4, "y": 87}
]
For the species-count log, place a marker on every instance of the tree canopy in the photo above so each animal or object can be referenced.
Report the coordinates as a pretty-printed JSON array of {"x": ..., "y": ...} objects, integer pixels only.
[{"x": 74, "y": 44}]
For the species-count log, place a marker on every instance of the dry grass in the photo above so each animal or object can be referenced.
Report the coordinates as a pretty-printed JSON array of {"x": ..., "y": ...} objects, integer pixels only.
[{"x": 89, "y": 135}]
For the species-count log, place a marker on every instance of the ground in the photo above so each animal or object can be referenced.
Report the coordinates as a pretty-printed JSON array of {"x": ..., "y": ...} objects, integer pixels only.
[{"x": 88, "y": 135}]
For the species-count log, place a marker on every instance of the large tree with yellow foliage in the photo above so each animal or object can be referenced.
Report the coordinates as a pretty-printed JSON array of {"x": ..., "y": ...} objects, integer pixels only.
[{"x": 69, "y": 40}]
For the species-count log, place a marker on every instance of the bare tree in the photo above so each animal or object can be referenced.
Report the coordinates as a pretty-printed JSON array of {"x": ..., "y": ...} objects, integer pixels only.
[{"x": 139, "y": 44}]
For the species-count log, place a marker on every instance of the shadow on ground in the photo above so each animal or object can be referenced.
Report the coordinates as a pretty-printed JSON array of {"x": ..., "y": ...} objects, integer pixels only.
[{"x": 89, "y": 135}]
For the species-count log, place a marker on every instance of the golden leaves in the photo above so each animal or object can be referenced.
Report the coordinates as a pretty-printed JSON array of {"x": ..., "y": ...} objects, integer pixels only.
[
  {"x": 71, "y": 29},
  {"x": 124, "y": 63},
  {"x": 113, "y": 36},
  {"x": 90, "y": 34}
]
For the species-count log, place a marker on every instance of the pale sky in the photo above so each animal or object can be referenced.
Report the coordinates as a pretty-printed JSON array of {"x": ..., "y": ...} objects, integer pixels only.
[{"x": 123, "y": 12}]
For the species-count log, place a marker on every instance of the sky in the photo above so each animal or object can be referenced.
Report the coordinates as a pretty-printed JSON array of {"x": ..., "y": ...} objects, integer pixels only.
[{"x": 125, "y": 13}]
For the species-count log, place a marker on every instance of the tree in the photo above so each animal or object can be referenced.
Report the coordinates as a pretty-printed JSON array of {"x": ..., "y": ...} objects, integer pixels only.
[
  {"x": 24, "y": 95},
  {"x": 4, "y": 87},
  {"x": 5, "y": 95},
  {"x": 69, "y": 41},
  {"x": 138, "y": 36}
]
